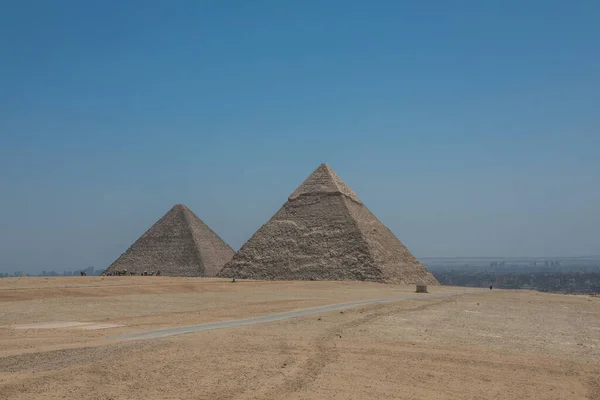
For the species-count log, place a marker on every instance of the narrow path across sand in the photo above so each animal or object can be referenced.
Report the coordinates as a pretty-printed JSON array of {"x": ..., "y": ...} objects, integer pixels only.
[{"x": 180, "y": 330}]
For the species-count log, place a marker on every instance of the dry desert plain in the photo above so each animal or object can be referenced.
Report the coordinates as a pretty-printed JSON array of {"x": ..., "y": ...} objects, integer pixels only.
[{"x": 66, "y": 338}]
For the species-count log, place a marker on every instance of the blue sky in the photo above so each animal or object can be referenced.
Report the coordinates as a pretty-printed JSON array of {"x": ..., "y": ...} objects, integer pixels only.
[{"x": 469, "y": 128}]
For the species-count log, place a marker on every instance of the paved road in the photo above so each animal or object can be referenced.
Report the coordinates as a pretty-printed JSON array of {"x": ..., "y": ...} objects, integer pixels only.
[{"x": 180, "y": 330}]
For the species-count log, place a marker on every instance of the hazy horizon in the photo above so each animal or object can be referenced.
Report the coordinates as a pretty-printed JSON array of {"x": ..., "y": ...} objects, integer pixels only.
[
  {"x": 469, "y": 129},
  {"x": 33, "y": 270}
]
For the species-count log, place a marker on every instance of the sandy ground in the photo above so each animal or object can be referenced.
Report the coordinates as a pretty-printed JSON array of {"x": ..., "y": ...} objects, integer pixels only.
[{"x": 481, "y": 345}]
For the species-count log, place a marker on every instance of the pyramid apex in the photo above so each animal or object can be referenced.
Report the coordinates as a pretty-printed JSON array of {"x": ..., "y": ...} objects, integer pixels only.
[{"x": 324, "y": 180}]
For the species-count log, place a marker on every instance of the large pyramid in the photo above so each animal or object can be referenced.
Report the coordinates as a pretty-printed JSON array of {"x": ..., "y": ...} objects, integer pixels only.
[
  {"x": 324, "y": 232},
  {"x": 178, "y": 244}
]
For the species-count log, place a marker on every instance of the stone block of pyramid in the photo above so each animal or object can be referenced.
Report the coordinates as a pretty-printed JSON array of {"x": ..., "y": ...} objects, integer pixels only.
[
  {"x": 324, "y": 232},
  {"x": 178, "y": 244}
]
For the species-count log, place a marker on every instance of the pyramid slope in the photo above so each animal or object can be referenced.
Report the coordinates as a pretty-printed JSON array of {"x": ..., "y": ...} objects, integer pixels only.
[
  {"x": 324, "y": 232},
  {"x": 178, "y": 244},
  {"x": 393, "y": 258},
  {"x": 213, "y": 251}
]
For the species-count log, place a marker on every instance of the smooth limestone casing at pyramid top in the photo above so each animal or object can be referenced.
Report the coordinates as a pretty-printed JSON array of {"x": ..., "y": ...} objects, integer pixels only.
[
  {"x": 324, "y": 232},
  {"x": 178, "y": 244}
]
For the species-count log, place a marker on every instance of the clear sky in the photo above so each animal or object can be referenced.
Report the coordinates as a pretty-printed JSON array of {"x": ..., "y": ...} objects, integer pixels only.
[{"x": 470, "y": 128}]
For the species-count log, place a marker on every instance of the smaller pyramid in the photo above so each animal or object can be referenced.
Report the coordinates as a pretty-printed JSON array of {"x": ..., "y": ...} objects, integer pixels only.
[{"x": 178, "y": 244}]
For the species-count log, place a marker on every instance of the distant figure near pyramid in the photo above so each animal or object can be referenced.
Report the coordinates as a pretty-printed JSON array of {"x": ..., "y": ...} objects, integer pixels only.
[
  {"x": 178, "y": 244},
  {"x": 324, "y": 232}
]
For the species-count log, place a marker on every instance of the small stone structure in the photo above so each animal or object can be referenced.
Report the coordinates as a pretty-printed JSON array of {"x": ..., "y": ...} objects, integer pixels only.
[{"x": 421, "y": 288}]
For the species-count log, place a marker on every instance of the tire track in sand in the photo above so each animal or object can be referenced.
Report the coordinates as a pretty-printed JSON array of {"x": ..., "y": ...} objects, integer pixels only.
[{"x": 326, "y": 351}]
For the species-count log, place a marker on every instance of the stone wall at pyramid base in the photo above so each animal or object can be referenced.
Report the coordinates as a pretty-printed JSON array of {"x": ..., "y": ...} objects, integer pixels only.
[{"x": 318, "y": 238}]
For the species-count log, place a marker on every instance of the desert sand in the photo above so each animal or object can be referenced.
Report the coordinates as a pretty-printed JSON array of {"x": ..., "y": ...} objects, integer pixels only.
[{"x": 59, "y": 339}]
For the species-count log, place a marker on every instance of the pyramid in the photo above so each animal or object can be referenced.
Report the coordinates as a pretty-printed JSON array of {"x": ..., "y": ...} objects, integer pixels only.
[
  {"x": 324, "y": 232},
  {"x": 178, "y": 244}
]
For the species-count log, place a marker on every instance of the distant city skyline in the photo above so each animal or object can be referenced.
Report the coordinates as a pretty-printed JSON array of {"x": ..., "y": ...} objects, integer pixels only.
[{"x": 468, "y": 128}]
